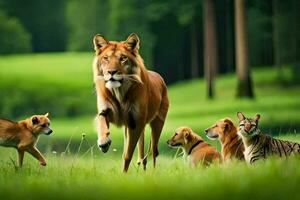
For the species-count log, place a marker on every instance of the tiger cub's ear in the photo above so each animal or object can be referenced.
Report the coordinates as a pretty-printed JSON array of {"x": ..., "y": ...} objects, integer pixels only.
[
  {"x": 257, "y": 117},
  {"x": 240, "y": 116},
  {"x": 99, "y": 42}
]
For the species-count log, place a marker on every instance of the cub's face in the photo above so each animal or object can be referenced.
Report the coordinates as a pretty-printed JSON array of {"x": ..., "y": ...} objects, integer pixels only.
[
  {"x": 180, "y": 137},
  {"x": 40, "y": 124},
  {"x": 248, "y": 126},
  {"x": 219, "y": 129},
  {"x": 116, "y": 61}
]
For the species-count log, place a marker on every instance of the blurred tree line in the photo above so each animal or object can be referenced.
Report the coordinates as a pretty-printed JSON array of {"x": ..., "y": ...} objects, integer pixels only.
[{"x": 171, "y": 31}]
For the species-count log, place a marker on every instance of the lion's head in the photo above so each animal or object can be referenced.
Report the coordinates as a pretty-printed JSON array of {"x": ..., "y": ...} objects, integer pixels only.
[{"x": 117, "y": 62}]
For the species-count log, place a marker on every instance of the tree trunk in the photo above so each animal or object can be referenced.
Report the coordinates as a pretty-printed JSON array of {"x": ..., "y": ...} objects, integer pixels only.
[
  {"x": 194, "y": 52},
  {"x": 210, "y": 45},
  {"x": 244, "y": 88}
]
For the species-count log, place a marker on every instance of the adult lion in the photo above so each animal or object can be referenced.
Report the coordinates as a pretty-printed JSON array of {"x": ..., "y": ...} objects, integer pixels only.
[{"x": 128, "y": 94}]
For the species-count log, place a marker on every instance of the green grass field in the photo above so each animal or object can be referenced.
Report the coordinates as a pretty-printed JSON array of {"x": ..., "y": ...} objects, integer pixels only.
[
  {"x": 100, "y": 178},
  {"x": 63, "y": 83}
]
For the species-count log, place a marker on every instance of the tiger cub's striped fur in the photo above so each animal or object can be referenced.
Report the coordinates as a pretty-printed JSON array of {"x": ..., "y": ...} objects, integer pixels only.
[{"x": 258, "y": 145}]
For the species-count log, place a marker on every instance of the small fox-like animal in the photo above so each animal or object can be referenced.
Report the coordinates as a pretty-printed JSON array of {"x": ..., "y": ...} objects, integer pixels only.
[{"x": 23, "y": 135}]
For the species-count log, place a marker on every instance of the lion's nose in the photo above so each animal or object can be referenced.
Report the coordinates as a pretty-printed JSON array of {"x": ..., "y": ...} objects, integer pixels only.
[{"x": 112, "y": 72}]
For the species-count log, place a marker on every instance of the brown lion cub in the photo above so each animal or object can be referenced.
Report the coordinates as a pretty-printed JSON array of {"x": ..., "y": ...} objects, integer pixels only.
[
  {"x": 196, "y": 149},
  {"x": 232, "y": 144},
  {"x": 24, "y": 134}
]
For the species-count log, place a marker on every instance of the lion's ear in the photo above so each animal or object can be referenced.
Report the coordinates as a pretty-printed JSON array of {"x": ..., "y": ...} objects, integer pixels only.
[
  {"x": 133, "y": 42},
  {"x": 99, "y": 42}
]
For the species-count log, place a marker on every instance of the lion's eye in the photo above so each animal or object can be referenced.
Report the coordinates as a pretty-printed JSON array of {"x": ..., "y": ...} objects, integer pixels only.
[
  {"x": 105, "y": 58},
  {"x": 123, "y": 58}
]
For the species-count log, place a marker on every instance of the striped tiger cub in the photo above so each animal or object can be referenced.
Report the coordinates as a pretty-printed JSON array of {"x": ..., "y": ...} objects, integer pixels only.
[{"x": 258, "y": 145}]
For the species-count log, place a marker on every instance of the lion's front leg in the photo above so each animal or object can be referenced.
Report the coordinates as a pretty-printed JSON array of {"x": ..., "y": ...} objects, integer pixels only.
[
  {"x": 103, "y": 133},
  {"x": 103, "y": 126},
  {"x": 102, "y": 122}
]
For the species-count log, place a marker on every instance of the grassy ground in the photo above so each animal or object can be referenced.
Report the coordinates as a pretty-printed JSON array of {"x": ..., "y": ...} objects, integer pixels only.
[
  {"x": 93, "y": 175},
  {"x": 100, "y": 178},
  {"x": 60, "y": 83}
]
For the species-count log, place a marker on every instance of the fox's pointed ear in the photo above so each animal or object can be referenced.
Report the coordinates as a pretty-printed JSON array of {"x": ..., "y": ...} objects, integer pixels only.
[
  {"x": 133, "y": 42},
  {"x": 99, "y": 42},
  {"x": 257, "y": 117},
  {"x": 47, "y": 114},
  {"x": 240, "y": 116},
  {"x": 35, "y": 120}
]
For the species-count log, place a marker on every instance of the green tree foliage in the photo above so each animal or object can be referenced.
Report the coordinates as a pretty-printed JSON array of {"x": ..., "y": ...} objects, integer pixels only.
[
  {"x": 60, "y": 100},
  {"x": 115, "y": 19},
  {"x": 13, "y": 36},
  {"x": 170, "y": 30},
  {"x": 44, "y": 19},
  {"x": 286, "y": 37},
  {"x": 85, "y": 19},
  {"x": 286, "y": 21},
  {"x": 260, "y": 32},
  {"x": 127, "y": 17}
]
